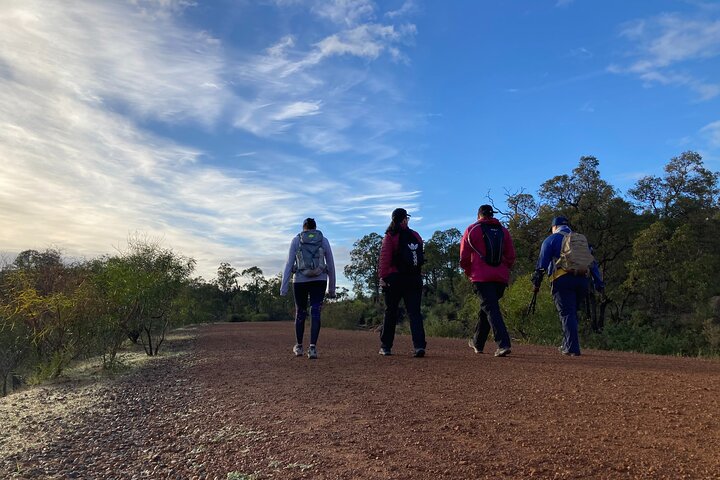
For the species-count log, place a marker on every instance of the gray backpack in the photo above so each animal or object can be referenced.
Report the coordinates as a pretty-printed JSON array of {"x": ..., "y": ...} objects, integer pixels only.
[
  {"x": 575, "y": 256},
  {"x": 310, "y": 255}
]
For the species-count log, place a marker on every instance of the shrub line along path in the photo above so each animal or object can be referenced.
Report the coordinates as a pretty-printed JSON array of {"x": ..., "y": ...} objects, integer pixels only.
[{"x": 239, "y": 403}]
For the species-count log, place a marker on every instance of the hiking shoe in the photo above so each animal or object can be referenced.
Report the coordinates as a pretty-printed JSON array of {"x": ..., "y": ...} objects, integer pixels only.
[
  {"x": 502, "y": 352},
  {"x": 471, "y": 344},
  {"x": 385, "y": 351},
  {"x": 312, "y": 352},
  {"x": 298, "y": 350},
  {"x": 419, "y": 353},
  {"x": 568, "y": 353}
]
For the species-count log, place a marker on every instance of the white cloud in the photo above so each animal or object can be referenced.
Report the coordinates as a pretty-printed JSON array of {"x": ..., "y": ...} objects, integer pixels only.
[
  {"x": 408, "y": 7},
  {"x": 298, "y": 109},
  {"x": 667, "y": 48},
  {"x": 711, "y": 131},
  {"x": 110, "y": 55},
  {"x": 348, "y": 12},
  {"x": 580, "y": 52},
  {"x": 79, "y": 80}
]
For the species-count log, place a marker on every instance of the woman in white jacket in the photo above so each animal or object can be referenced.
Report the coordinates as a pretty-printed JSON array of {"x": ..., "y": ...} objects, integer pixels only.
[{"x": 311, "y": 264}]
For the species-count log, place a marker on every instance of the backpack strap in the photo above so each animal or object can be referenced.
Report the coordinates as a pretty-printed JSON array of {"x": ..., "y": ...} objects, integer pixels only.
[{"x": 476, "y": 225}]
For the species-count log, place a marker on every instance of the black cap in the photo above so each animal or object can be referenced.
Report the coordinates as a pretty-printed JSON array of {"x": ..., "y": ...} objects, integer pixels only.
[
  {"x": 309, "y": 223},
  {"x": 486, "y": 210},
  {"x": 400, "y": 214},
  {"x": 557, "y": 221}
]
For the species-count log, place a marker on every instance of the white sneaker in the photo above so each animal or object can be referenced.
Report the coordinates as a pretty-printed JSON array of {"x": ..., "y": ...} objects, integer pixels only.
[
  {"x": 312, "y": 352},
  {"x": 298, "y": 350}
]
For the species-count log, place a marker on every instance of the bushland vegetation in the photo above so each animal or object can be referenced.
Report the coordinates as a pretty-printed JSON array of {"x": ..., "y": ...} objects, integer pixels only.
[{"x": 657, "y": 247}]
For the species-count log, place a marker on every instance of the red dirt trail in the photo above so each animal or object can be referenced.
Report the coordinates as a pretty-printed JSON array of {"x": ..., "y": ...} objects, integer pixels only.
[{"x": 239, "y": 403}]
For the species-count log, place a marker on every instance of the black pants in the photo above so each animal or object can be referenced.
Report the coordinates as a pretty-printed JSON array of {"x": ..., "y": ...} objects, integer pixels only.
[
  {"x": 316, "y": 292},
  {"x": 490, "y": 294},
  {"x": 408, "y": 289}
]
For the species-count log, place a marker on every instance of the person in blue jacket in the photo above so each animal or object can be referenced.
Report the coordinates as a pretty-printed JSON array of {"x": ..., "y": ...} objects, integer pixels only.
[{"x": 568, "y": 289}]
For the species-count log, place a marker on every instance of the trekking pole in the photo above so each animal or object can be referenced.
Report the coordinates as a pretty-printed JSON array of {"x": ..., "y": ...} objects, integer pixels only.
[
  {"x": 530, "y": 310},
  {"x": 531, "y": 307}
]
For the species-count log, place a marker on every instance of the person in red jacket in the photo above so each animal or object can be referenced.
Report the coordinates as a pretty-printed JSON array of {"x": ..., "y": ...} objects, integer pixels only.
[
  {"x": 486, "y": 256},
  {"x": 401, "y": 259}
]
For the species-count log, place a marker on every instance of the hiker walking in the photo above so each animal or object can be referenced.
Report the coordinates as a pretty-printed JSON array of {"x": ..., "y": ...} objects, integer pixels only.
[
  {"x": 486, "y": 256},
  {"x": 401, "y": 259},
  {"x": 310, "y": 262},
  {"x": 566, "y": 259}
]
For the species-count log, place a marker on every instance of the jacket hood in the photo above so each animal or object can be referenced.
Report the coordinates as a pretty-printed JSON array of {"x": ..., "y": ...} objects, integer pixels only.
[{"x": 491, "y": 221}]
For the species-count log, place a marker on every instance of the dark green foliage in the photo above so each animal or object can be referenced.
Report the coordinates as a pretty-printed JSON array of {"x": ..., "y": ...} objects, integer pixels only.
[
  {"x": 363, "y": 267},
  {"x": 659, "y": 258}
]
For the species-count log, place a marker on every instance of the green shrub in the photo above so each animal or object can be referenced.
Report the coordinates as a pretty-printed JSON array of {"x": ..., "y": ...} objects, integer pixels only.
[
  {"x": 643, "y": 338},
  {"x": 541, "y": 327},
  {"x": 436, "y": 327},
  {"x": 350, "y": 314}
]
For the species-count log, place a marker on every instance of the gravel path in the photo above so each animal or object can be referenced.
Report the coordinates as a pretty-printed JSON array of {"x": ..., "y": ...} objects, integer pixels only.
[{"x": 239, "y": 405}]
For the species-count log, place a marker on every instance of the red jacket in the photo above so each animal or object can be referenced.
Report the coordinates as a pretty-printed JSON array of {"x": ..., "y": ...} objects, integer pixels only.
[
  {"x": 388, "y": 250},
  {"x": 474, "y": 265}
]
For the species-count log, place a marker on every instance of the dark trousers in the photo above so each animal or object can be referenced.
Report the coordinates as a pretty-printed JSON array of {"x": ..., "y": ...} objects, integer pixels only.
[
  {"x": 568, "y": 292},
  {"x": 490, "y": 294},
  {"x": 408, "y": 289},
  {"x": 316, "y": 292}
]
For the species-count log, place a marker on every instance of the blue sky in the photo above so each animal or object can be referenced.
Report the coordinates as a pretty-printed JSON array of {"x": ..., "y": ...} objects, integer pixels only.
[{"x": 217, "y": 126}]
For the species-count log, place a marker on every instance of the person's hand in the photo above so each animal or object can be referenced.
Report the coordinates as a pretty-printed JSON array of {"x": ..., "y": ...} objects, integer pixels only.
[
  {"x": 389, "y": 280},
  {"x": 283, "y": 293},
  {"x": 382, "y": 282},
  {"x": 536, "y": 279},
  {"x": 600, "y": 287},
  {"x": 330, "y": 294}
]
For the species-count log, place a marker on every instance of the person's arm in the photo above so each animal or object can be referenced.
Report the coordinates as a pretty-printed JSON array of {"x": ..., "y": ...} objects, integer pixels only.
[
  {"x": 465, "y": 253},
  {"x": 330, "y": 263},
  {"x": 597, "y": 277},
  {"x": 285, "y": 285},
  {"x": 386, "y": 257},
  {"x": 546, "y": 254},
  {"x": 543, "y": 264}
]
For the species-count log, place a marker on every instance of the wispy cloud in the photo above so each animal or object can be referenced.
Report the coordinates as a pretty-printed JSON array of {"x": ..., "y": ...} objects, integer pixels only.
[
  {"x": 348, "y": 12},
  {"x": 408, "y": 7},
  {"x": 711, "y": 132},
  {"x": 666, "y": 49},
  {"x": 563, "y": 3},
  {"x": 587, "y": 107},
  {"x": 580, "y": 52},
  {"x": 81, "y": 81}
]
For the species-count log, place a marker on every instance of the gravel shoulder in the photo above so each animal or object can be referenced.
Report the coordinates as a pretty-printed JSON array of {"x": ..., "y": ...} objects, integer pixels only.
[{"x": 237, "y": 404}]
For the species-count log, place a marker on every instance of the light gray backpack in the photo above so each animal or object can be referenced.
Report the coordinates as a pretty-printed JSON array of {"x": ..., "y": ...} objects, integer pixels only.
[{"x": 310, "y": 255}]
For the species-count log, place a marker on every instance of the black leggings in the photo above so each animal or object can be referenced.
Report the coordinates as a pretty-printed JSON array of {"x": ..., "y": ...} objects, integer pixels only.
[{"x": 316, "y": 291}]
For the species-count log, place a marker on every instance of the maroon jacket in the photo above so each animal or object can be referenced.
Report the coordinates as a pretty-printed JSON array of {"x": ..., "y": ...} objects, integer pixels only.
[
  {"x": 388, "y": 250},
  {"x": 474, "y": 265}
]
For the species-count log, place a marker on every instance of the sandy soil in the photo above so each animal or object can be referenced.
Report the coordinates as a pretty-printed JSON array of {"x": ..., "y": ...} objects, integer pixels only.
[{"x": 238, "y": 405}]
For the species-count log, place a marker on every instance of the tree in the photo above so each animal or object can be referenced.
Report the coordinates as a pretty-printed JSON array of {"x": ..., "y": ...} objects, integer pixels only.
[
  {"x": 142, "y": 283},
  {"x": 594, "y": 208},
  {"x": 49, "y": 300},
  {"x": 687, "y": 187},
  {"x": 442, "y": 262},
  {"x": 227, "y": 282},
  {"x": 255, "y": 286},
  {"x": 363, "y": 267}
]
